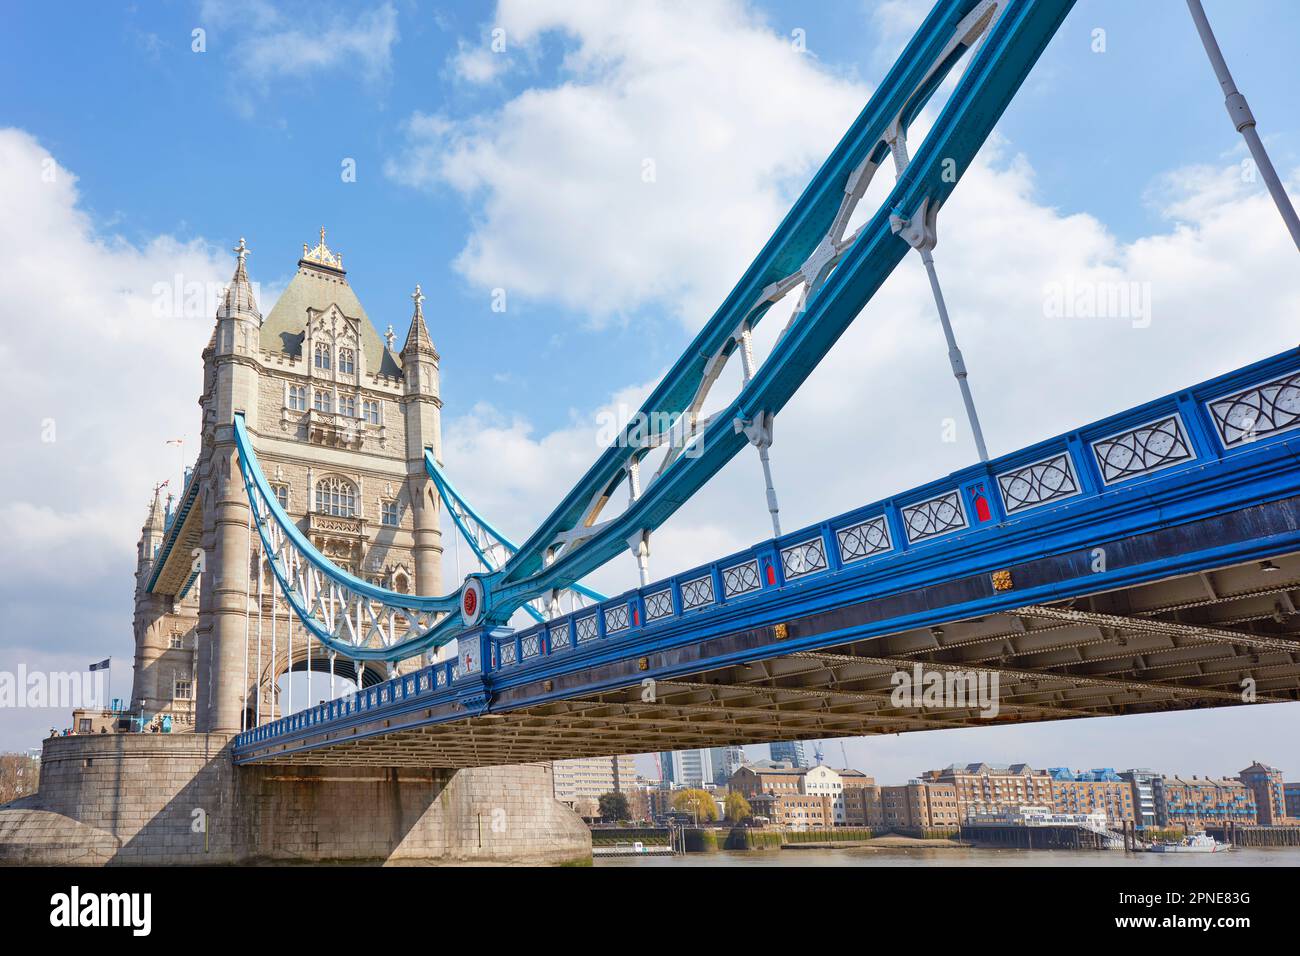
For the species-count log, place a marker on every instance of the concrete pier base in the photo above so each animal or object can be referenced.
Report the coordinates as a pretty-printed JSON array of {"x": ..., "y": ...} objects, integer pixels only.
[{"x": 178, "y": 799}]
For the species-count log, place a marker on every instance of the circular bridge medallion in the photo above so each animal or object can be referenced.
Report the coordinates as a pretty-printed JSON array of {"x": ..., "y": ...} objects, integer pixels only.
[{"x": 471, "y": 602}]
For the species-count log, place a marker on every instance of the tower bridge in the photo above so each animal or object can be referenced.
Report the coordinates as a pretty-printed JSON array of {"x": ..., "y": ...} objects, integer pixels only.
[{"x": 1145, "y": 562}]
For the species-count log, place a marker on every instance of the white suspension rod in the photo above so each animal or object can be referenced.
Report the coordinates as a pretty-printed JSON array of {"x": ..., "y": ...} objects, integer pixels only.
[
  {"x": 248, "y": 561},
  {"x": 275, "y": 649},
  {"x": 920, "y": 233},
  {"x": 261, "y": 667},
  {"x": 1244, "y": 120}
]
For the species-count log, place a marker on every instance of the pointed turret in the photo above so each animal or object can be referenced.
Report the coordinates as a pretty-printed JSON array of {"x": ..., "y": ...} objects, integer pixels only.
[
  {"x": 151, "y": 535},
  {"x": 238, "y": 321},
  {"x": 154, "y": 522},
  {"x": 239, "y": 301},
  {"x": 423, "y": 429},
  {"x": 417, "y": 338}
]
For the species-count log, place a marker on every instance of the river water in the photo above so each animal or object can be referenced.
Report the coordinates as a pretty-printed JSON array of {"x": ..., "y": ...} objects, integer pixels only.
[{"x": 961, "y": 856}]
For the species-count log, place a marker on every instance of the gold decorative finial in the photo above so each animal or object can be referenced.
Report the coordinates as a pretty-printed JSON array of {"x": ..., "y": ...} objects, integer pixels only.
[
  {"x": 322, "y": 253},
  {"x": 241, "y": 251},
  {"x": 418, "y": 297}
]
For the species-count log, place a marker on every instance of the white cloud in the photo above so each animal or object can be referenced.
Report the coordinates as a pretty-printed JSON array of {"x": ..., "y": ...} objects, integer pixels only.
[
  {"x": 477, "y": 63},
  {"x": 272, "y": 43},
  {"x": 559, "y": 219},
  {"x": 93, "y": 358},
  {"x": 645, "y": 177}
]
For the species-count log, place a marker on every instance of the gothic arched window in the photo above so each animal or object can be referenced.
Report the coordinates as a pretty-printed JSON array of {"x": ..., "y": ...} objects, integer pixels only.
[
  {"x": 347, "y": 361},
  {"x": 337, "y": 497},
  {"x": 322, "y": 359}
]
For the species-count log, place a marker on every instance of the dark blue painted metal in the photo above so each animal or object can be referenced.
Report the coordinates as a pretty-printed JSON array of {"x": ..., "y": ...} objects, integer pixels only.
[
  {"x": 171, "y": 533},
  {"x": 1217, "y": 480}
]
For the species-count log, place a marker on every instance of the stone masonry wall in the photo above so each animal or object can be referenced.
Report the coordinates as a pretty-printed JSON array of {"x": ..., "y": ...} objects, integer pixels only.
[{"x": 142, "y": 799}]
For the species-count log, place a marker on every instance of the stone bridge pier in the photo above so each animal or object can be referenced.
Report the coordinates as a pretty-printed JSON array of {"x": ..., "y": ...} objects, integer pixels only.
[{"x": 178, "y": 799}]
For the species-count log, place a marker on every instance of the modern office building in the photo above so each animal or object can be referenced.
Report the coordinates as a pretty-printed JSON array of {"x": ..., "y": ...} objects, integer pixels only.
[
  {"x": 1142, "y": 782},
  {"x": 686, "y": 768},
  {"x": 791, "y": 751},
  {"x": 581, "y": 781},
  {"x": 726, "y": 761}
]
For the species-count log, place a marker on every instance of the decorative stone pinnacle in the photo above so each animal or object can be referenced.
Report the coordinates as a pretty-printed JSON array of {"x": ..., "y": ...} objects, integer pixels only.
[
  {"x": 241, "y": 251},
  {"x": 418, "y": 297},
  {"x": 322, "y": 253}
]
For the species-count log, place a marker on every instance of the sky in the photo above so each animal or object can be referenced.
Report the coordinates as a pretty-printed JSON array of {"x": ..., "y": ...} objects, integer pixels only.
[{"x": 499, "y": 153}]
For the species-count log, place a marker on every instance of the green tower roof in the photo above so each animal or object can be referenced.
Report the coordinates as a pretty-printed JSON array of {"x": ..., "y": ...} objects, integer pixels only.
[{"x": 320, "y": 283}]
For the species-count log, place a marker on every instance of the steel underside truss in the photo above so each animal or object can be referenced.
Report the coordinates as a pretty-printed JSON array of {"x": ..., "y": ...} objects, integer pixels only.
[{"x": 1184, "y": 643}]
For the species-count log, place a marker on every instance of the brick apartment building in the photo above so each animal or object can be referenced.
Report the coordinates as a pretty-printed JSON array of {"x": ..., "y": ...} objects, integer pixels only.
[
  {"x": 1193, "y": 804},
  {"x": 1266, "y": 786},
  {"x": 920, "y": 804},
  {"x": 987, "y": 788},
  {"x": 1093, "y": 791}
]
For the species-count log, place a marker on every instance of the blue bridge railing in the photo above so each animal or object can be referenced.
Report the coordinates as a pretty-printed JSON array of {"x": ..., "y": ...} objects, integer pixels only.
[{"x": 1034, "y": 493}]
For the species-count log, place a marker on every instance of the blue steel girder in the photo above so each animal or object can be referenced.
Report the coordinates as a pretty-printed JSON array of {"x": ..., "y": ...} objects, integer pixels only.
[
  {"x": 840, "y": 275},
  {"x": 1013, "y": 43},
  {"x": 345, "y": 613},
  {"x": 178, "y": 527},
  {"x": 489, "y": 545},
  {"x": 1204, "y": 479}
]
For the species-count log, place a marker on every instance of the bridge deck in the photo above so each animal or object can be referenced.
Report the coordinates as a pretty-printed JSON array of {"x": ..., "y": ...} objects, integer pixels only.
[{"x": 1142, "y": 564}]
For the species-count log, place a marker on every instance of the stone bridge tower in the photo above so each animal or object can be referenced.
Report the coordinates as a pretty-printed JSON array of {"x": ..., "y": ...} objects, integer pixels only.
[{"x": 340, "y": 420}]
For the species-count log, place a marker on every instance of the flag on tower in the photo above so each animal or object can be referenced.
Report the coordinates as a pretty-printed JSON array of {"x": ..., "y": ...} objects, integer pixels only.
[{"x": 102, "y": 665}]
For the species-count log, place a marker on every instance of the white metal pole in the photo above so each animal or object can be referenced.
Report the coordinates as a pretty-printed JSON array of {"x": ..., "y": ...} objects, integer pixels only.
[
  {"x": 455, "y": 547},
  {"x": 260, "y": 668},
  {"x": 921, "y": 237},
  {"x": 243, "y": 717},
  {"x": 289, "y": 672},
  {"x": 275, "y": 649},
  {"x": 1244, "y": 121},
  {"x": 954, "y": 356}
]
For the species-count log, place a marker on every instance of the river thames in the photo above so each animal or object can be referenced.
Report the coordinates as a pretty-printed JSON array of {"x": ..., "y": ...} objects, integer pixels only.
[{"x": 962, "y": 856}]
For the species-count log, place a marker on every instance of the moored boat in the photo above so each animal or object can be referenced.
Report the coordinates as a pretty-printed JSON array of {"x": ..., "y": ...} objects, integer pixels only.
[{"x": 1197, "y": 843}]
